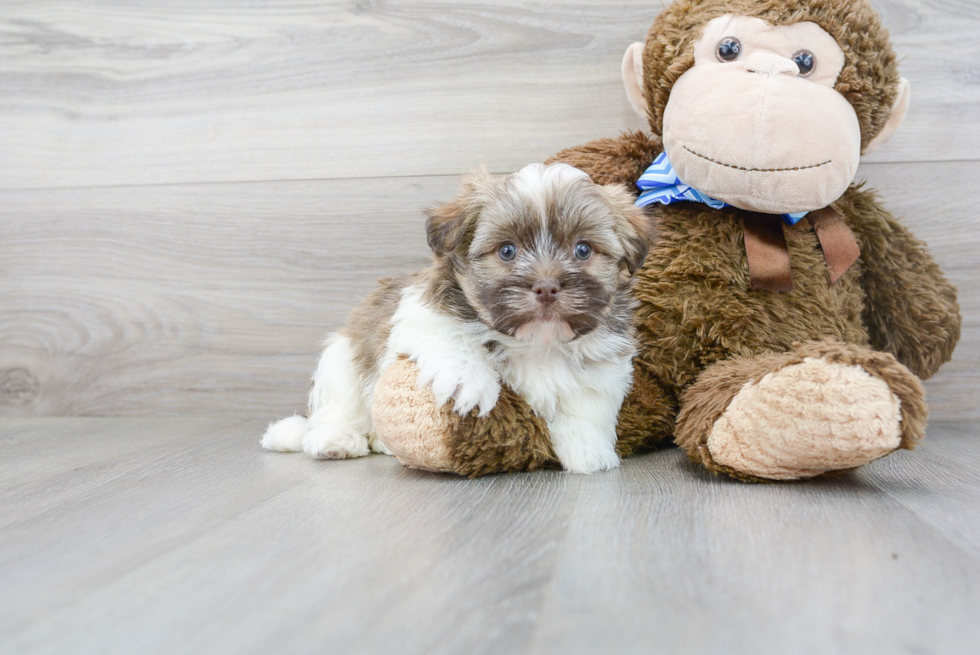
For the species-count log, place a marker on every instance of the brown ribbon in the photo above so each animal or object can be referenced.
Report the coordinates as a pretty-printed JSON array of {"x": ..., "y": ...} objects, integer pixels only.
[
  {"x": 765, "y": 248},
  {"x": 840, "y": 249},
  {"x": 768, "y": 256}
]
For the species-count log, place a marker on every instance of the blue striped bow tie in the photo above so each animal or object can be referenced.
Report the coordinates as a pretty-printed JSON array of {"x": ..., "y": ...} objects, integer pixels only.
[{"x": 659, "y": 183}]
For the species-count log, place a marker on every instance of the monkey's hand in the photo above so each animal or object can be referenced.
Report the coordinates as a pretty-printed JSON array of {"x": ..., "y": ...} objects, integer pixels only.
[
  {"x": 426, "y": 435},
  {"x": 911, "y": 309},
  {"x": 613, "y": 161}
]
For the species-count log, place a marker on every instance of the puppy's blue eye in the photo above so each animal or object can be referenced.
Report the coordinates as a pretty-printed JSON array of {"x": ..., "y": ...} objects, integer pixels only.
[
  {"x": 507, "y": 252},
  {"x": 583, "y": 251}
]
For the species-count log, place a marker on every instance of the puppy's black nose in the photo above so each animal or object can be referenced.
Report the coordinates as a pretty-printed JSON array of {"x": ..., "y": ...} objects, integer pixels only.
[{"x": 546, "y": 291}]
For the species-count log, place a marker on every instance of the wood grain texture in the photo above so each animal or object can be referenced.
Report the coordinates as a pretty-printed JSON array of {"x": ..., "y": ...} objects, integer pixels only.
[
  {"x": 123, "y": 92},
  {"x": 218, "y": 546},
  {"x": 695, "y": 564},
  {"x": 205, "y": 543},
  {"x": 137, "y": 300},
  {"x": 943, "y": 490},
  {"x": 213, "y": 299}
]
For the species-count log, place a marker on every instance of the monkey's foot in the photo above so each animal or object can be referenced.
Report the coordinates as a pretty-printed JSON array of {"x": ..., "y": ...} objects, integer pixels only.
[
  {"x": 825, "y": 407},
  {"x": 423, "y": 435},
  {"x": 806, "y": 419}
]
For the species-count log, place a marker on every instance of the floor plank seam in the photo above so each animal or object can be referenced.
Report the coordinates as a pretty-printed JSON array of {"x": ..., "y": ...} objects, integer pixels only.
[{"x": 293, "y": 180}]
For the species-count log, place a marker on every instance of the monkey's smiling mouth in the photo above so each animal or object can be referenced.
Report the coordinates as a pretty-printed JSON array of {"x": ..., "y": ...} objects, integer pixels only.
[{"x": 756, "y": 170}]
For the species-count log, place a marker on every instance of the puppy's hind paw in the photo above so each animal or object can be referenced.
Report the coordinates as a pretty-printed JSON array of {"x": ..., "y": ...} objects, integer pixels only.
[{"x": 285, "y": 436}]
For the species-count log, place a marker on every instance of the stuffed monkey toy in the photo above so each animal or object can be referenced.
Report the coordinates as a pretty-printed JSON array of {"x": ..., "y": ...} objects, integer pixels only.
[{"x": 785, "y": 317}]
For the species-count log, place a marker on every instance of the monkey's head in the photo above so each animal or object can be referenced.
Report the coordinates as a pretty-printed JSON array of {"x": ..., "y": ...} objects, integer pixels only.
[{"x": 767, "y": 104}]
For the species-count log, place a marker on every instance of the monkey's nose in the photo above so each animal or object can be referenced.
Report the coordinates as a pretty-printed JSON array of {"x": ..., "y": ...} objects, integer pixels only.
[
  {"x": 770, "y": 64},
  {"x": 546, "y": 291}
]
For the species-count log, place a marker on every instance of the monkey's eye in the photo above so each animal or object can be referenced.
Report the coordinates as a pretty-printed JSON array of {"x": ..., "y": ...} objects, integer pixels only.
[
  {"x": 583, "y": 251},
  {"x": 805, "y": 60},
  {"x": 507, "y": 252},
  {"x": 729, "y": 49}
]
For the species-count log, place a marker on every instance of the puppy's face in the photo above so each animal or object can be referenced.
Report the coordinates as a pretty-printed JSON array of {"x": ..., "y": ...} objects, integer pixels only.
[{"x": 542, "y": 255}]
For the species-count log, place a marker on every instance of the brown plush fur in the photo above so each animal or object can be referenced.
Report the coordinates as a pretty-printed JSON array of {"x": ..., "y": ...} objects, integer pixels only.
[
  {"x": 910, "y": 309},
  {"x": 516, "y": 439},
  {"x": 700, "y": 324}
]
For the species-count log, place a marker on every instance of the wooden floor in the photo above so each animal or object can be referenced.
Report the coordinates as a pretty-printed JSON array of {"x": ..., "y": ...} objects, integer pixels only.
[{"x": 180, "y": 535}]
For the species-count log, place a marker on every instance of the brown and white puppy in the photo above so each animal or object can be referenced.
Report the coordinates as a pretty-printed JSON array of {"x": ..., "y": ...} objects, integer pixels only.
[{"x": 530, "y": 286}]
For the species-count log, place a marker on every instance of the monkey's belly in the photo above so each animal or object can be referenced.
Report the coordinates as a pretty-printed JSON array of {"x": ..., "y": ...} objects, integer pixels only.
[{"x": 697, "y": 307}]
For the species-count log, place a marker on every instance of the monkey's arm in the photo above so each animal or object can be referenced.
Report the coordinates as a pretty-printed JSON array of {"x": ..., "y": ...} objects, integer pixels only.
[
  {"x": 911, "y": 309},
  {"x": 609, "y": 161}
]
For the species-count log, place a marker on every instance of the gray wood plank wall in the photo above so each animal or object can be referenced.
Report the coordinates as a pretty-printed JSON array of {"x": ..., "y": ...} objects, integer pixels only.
[{"x": 193, "y": 193}]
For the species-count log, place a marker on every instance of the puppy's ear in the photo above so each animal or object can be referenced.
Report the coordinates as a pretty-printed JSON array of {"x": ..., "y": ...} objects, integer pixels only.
[
  {"x": 447, "y": 224},
  {"x": 633, "y": 227}
]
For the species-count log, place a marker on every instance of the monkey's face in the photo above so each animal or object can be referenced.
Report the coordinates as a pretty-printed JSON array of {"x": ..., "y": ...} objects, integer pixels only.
[{"x": 757, "y": 123}]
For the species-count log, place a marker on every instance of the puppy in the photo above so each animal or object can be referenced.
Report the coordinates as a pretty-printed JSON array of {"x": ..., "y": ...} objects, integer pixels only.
[{"x": 529, "y": 287}]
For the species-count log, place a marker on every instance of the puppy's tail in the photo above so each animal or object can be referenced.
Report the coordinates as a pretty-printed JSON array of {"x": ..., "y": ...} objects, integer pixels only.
[{"x": 285, "y": 436}]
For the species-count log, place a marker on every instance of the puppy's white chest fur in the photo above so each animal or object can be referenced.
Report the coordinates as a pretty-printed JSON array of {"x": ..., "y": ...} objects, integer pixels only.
[
  {"x": 578, "y": 388},
  {"x": 551, "y": 377}
]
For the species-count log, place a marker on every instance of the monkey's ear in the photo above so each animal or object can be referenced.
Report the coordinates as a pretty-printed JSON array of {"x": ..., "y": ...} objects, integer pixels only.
[
  {"x": 445, "y": 225},
  {"x": 633, "y": 227},
  {"x": 633, "y": 78},
  {"x": 899, "y": 109}
]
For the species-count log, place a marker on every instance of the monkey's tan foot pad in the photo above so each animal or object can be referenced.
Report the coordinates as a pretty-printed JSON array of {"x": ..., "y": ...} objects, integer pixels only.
[
  {"x": 806, "y": 419},
  {"x": 409, "y": 423}
]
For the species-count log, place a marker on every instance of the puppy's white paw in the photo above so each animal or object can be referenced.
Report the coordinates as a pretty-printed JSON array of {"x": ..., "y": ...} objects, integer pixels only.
[
  {"x": 285, "y": 436},
  {"x": 334, "y": 440},
  {"x": 589, "y": 460},
  {"x": 468, "y": 384},
  {"x": 478, "y": 387},
  {"x": 583, "y": 451}
]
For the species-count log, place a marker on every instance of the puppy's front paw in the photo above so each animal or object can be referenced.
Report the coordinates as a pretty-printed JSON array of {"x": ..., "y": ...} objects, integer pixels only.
[
  {"x": 468, "y": 384},
  {"x": 334, "y": 440},
  {"x": 583, "y": 448},
  {"x": 478, "y": 387},
  {"x": 588, "y": 460}
]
